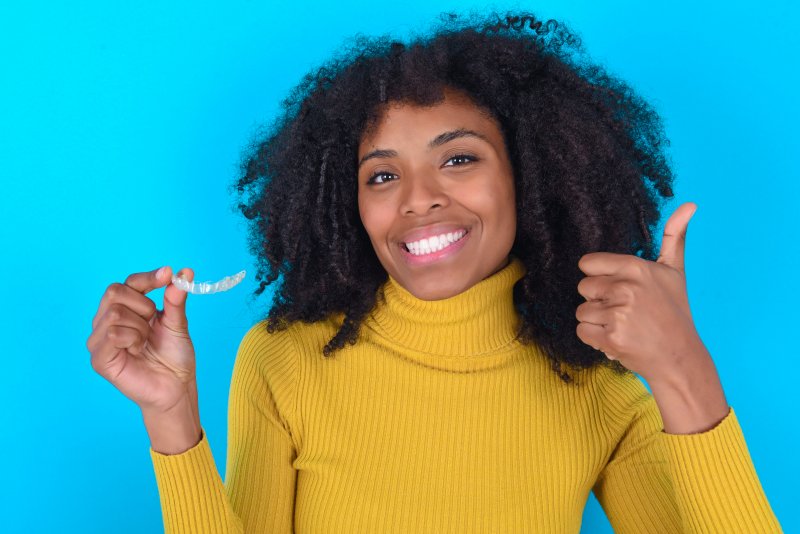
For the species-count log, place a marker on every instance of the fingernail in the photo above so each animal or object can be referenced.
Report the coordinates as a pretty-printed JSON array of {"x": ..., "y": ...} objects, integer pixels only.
[{"x": 161, "y": 272}]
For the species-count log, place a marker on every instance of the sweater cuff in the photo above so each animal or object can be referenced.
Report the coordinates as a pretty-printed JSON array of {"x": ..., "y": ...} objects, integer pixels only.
[
  {"x": 713, "y": 474},
  {"x": 191, "y": 490},
  {"x": 163, "y": 460}
]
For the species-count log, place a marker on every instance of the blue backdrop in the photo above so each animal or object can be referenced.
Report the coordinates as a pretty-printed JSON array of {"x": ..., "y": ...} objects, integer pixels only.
[{"x": 123, "y": 123}]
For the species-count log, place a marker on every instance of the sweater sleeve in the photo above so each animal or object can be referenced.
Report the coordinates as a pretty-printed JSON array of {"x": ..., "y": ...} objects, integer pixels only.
[
  {"x": 258, "y": 493},
  {"x": 672, "y": 483}
]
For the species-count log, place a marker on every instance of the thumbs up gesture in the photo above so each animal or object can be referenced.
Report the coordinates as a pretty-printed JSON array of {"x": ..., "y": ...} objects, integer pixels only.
[{"x": 637, "y": 311}]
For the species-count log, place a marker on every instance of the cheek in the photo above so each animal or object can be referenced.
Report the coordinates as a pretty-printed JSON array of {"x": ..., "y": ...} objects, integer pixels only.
[
  {"x": 510, "y": 205},
  {"x": 496, "y": 206},
  {"x": 374, "y": 220},
  {"x": 510, "y": 213},
  {"x": 494, "y": 201}
]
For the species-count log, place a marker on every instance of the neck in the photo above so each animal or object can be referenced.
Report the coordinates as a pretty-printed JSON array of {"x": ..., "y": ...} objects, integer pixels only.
[{"x": 478, "y": 321}]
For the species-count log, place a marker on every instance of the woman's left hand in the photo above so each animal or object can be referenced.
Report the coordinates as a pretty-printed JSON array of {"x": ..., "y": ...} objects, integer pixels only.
[{"x": 637, "y": 311}]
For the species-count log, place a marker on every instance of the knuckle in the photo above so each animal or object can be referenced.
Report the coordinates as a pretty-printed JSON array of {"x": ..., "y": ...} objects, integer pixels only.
[
  {"x": 140, "y": 343},
  {"x": 113, "y": 332},
  {"x": 627, "y": 291},
  {"x": 615, "y": 338},
  {"x": 114, "y": 290},
  {"x": 637, "y": 268},
  {"x": 114, "y": 315},
  {"x": 620, "y": 291},
  {"x": 116, "y": 312}
]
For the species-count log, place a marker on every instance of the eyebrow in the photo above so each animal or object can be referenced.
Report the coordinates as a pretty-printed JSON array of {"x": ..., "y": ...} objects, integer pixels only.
[{"x": 439, "y": 140}]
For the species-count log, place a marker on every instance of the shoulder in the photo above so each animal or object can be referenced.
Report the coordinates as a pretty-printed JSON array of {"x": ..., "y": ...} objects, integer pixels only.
[
  {"x": 269, "y": 365},
  {"x": 260, "y": 347},
  {"x": 620, "y": 399},
  {"x": 607, "y": 385}
]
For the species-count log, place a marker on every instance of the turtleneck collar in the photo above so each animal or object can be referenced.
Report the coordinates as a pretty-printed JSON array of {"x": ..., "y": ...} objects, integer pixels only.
[{"x": 476, "y": 322}]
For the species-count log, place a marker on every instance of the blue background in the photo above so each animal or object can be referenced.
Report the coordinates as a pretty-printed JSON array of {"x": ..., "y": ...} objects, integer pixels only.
[{"x": 122, "y": 126}]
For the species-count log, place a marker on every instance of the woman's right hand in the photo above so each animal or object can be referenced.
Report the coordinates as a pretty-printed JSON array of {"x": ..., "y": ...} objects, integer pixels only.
[{"x": 145, "y": 352}]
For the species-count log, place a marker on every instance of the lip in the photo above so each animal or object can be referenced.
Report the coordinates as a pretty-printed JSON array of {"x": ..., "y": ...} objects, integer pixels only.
[{"x": 425, "y": 259}]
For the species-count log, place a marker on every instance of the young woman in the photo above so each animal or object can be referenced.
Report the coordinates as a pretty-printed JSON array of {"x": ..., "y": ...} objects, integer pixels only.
[{"x": 463, "y": 231}]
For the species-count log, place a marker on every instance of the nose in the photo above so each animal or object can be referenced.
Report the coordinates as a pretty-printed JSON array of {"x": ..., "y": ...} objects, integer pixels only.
[{"x": 421, "y": 193}]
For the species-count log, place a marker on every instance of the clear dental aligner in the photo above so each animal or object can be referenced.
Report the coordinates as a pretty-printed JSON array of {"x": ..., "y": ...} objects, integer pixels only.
[{"x": 205, "y": 288}]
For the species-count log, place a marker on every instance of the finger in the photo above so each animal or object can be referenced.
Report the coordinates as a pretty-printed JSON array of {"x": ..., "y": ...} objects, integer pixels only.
[
  {"x": 117, "y": 315},
  {"x": 593, "y": 312},
  {"x": 126, "y": 295},
  {"x": 174, "y": 316},
  {"x": 150, "y": 280},
  {"x": 673, "y": 244},
  {"x": 121, "y": 315},
  {"x": 595, "y": 287},
  {"x": 599, "y": 263},
  {"x": 592, "y": 334},
  {"x": 116, "y": 339},
  {"x": 125, "y": 337}
]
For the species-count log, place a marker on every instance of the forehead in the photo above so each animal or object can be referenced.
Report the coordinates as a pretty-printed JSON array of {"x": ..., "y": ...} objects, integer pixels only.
[{"x": 400, "y": 121}]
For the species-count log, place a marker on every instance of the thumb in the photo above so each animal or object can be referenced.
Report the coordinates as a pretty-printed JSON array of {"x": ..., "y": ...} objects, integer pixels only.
[
  {"x": 174, "y": 316},
  {"x": 674, "y": 243}
]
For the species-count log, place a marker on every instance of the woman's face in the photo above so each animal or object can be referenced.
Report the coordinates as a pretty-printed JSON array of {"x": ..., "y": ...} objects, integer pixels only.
[{"x": 437, "y": 172}]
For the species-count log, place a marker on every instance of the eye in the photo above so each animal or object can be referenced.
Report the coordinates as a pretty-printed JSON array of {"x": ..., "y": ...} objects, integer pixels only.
[
  {"x": 371, "y": 180},
  {"x": 460, "y": 159}
]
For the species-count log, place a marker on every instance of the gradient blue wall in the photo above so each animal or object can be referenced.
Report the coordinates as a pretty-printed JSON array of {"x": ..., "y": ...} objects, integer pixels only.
[{"x": 121, "y": 126}]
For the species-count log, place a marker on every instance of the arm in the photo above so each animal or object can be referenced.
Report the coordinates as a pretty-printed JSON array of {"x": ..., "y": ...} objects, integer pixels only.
[
  {"x": 258, "y": 494},
  {"x": 637, "y": 312},
  {"x": 660, "y": 482}
]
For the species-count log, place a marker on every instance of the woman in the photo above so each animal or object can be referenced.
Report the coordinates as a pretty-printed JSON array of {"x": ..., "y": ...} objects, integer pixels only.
[{"x": 463, "y": 230}]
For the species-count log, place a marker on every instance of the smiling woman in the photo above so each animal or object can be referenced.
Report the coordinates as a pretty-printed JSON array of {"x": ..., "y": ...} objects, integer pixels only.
[
  {"x": 436, "y": 195},
  {"x": 430, "y": 363},
  {"x": 578, "y": 166}
]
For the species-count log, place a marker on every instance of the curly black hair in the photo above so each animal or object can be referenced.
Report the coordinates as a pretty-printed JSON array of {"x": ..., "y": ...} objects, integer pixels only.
[{"x": 588, "y": 155}]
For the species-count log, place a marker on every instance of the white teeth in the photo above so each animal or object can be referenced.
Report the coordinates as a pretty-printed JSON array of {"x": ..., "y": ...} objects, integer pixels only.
[{"x": 434, "y": 244}]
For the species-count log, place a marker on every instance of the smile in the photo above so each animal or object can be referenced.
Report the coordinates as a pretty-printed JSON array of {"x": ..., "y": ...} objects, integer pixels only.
[
  {"x": 435, "y": 248},
  {"x": 434, "y": 244}
]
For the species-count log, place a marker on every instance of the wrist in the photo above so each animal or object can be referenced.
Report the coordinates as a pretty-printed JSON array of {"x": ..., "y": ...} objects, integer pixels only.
[
  {"x": 176, "y": 430},
  {"x": 692, "y": 403}
]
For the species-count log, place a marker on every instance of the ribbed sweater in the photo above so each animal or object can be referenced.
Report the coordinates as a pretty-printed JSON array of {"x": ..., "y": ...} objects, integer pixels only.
[{"x": 440, "y": 420}]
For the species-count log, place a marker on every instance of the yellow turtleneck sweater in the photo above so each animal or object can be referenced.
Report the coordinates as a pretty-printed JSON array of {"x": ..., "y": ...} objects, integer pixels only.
[{"x": 438, "y": 420}]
